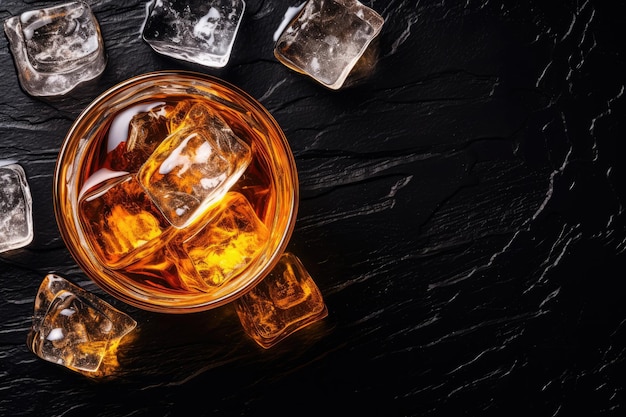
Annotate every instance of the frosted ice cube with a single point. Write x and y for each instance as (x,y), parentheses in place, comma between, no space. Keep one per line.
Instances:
(74,328)
(56,48)
(197,31)
(121,217)
(229,242)
(285,301)
(16,221)
(194,166)
(327,38)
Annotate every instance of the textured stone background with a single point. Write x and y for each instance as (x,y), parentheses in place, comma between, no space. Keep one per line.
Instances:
(462,211)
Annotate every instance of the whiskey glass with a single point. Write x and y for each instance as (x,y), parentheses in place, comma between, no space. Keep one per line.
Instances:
(105,178)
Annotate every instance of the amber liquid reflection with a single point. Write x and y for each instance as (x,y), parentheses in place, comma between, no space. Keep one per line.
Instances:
(135,233)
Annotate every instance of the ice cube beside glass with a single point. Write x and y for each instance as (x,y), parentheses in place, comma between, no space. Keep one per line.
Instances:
(201,32)
(327,38)
(284,302)
(76,329)
(56,48)
(16,218)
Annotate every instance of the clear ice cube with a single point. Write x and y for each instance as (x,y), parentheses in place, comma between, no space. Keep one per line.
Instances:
(233,237)
(194,166)
(56,48)
(135,133)
(123,219)
(282,303)
(16,221)
(202,32)
(74,328)
(327,39)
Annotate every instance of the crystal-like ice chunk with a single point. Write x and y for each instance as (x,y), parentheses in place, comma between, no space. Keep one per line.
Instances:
(202,32)
(135,133)
(122,217)
(327,38)
(56,48)
(194,166)
(229,242)
(282,303)
(16,221)
(74,328)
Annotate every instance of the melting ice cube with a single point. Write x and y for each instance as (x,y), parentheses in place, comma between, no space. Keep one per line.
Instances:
(197,31)
(194,166)
(327,38)
(16,221)
(135,133)
(56,48)
(121,218)
(284,302)
(229,242)
(74,328)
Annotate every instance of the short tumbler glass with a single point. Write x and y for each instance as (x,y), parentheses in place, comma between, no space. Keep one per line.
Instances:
(176,191)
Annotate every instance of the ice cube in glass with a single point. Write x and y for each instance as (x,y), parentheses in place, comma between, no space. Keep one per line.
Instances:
(135,133)
(327,38)
(118,211)
(16,220)
(202,32)
(56,48)
(232,238)
(194,166)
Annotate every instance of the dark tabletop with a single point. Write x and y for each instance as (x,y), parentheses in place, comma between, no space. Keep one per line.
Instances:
(462,211)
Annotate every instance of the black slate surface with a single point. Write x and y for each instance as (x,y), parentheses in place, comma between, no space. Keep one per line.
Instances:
(462,211)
